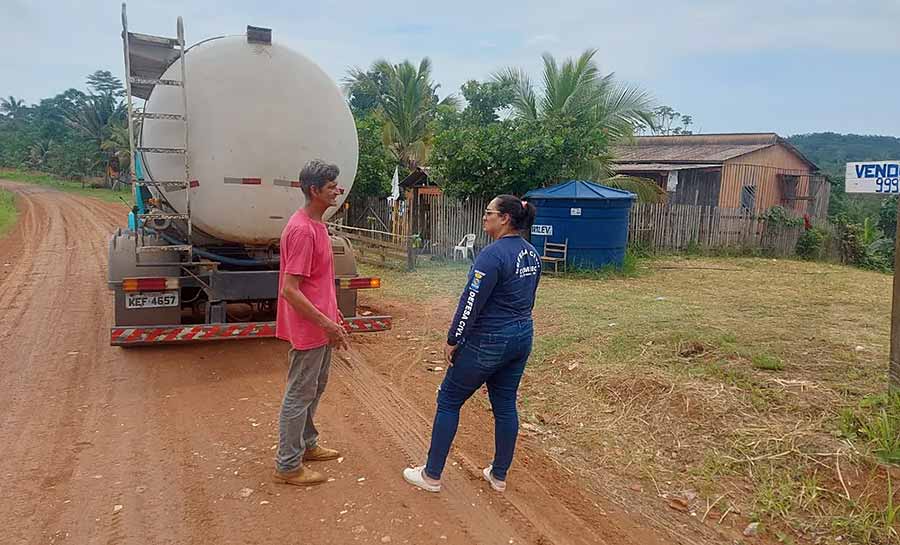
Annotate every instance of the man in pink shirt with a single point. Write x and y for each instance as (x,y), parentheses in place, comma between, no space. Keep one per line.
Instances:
(308,318)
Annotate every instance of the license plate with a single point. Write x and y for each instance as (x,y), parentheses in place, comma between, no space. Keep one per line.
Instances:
(152,299)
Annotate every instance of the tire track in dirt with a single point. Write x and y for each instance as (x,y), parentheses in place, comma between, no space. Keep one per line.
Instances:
(409,428)
(59,376)
(39,360)
(546,494)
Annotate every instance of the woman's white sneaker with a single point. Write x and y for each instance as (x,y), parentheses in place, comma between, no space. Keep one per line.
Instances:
(496,484)
(416,477)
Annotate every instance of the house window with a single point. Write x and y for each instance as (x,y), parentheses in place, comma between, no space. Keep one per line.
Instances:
(789,185)
(748,197)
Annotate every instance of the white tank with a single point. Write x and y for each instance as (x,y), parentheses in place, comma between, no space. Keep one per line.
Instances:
(256,115)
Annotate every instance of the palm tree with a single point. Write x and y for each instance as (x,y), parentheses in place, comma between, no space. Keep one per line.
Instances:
(13,108)
(645,190)
(407,102)
(94,117)
(118,144)
(578,90)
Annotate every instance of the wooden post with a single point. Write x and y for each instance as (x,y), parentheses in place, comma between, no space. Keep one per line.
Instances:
(894,367)
(410,255)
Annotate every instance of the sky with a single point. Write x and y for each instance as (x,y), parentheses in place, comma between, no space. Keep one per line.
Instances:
(786,66)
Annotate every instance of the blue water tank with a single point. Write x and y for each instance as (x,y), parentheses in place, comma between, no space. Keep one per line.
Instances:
(593,219)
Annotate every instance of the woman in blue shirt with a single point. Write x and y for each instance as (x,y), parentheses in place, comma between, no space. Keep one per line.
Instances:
(489,341)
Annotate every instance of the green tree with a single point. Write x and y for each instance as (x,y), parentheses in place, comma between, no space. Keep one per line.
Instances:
(645,190)
(373,175)
(13,108)
(668,122)
(365,90)
(102,82)
(95,118)
(484,99)
(407,103)
(511,156)
(117,143)
(579,91)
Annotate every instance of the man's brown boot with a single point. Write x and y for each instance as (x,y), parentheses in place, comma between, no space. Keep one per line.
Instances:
(320,454)
(302,476)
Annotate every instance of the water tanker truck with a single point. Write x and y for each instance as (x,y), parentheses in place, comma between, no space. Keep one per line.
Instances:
(221,131)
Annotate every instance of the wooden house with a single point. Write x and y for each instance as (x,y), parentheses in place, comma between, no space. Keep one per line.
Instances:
(743,171)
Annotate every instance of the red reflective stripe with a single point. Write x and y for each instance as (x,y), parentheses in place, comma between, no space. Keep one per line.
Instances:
(195,183)
(295,184)
(125,335)
(251,181)
(193,333)
(154,334)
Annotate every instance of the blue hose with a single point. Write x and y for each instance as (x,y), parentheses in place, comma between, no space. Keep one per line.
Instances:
(220,258)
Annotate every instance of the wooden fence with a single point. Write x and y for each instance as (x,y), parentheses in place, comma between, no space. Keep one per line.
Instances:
(657,228)
(667,228)
(378,247)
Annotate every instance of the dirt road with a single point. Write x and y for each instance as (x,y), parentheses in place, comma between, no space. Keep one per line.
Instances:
(175,444)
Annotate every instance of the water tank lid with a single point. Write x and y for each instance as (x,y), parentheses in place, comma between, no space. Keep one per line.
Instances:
(580,189)
(259,35)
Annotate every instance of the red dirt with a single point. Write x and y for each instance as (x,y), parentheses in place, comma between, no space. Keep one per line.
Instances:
(155,445)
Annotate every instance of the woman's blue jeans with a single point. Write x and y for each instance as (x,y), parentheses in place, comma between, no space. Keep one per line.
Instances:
(497,359)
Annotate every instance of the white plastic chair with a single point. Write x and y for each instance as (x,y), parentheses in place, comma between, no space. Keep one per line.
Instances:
(466,245)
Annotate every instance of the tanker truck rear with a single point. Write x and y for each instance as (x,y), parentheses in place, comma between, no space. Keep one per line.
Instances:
(224,129)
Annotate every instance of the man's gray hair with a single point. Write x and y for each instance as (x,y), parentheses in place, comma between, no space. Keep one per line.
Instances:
(317,173)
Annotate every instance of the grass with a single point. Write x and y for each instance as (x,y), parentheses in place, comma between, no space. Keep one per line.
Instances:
(7,211)
(874,424)
(69,186)
(767,363)
(747,378)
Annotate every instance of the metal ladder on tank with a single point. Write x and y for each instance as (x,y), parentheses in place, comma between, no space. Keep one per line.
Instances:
(135,117)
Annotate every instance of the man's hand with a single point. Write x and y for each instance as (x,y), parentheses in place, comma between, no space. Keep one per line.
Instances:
(337,336)
(448,353)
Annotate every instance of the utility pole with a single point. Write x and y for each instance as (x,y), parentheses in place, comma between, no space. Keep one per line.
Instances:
(894,367)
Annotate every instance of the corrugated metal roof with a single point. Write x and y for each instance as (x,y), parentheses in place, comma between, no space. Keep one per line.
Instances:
(579,189)
(697,153)
(660,167)
(698,148)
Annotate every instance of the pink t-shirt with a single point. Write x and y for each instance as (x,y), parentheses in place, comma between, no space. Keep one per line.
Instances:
(306,252)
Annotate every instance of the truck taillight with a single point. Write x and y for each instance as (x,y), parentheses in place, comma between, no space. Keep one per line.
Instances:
(149,284)
(359,283)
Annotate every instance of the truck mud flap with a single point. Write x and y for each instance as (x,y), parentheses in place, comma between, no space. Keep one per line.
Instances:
(171,334)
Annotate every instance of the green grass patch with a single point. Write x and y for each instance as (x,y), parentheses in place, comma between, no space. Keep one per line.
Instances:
(69,186)
(767,362)
(875,425)
(7,211)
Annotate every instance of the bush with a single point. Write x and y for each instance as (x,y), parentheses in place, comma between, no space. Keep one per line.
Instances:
(811,244)
(876,256)
(778,216)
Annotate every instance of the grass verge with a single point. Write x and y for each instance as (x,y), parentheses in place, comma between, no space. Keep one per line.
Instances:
(7,211)
(69,186)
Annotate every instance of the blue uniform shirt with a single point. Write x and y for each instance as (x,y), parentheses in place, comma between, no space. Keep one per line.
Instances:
(500,289)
